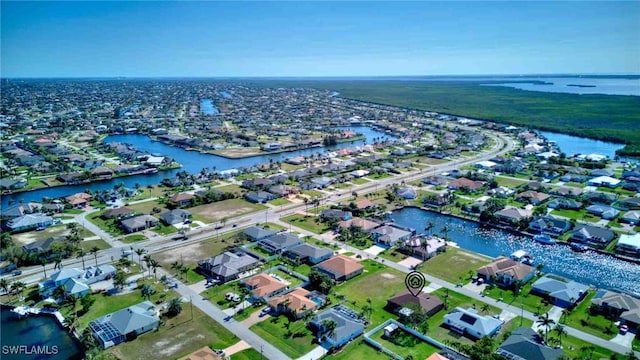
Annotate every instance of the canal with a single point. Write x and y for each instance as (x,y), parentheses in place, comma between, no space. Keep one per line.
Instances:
(192,162)
(589,267)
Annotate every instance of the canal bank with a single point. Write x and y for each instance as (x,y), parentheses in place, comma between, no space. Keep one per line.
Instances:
(592,268)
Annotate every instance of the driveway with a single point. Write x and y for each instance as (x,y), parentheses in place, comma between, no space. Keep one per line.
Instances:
(236,348)
(314,354)
(624,340)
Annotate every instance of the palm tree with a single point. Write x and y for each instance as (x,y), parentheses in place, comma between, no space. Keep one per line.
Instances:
(484,308)
(147,291)
(147,261)
(561,331)
(58,261)
(546,322)
(43,262)
(175,306)
(71,322)
(94,250)
(328,327)
(81,255)
(59,293)
(154,264)
(445,230)
(429,227)
(4,285)
(140,252)
(18,286)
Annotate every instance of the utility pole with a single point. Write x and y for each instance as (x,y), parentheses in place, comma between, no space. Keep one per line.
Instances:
(191,306)
(521,312)
(261,352)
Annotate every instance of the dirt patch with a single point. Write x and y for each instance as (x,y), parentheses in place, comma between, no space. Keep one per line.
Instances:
(184,253)
(32,236)
(388,276)
(224,209)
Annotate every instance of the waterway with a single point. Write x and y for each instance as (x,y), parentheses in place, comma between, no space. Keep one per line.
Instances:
(207,107)
(589,267)
(572,145)
(586,85)
(41,331)
(192,162)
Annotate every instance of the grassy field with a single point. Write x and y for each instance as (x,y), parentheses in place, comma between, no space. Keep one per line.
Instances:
(279,201)
(597,325)
(225,209)
(179,336)
(147,207)
(133,238)
(249,354)
(359,181)
(309,223)
(236,189)
(274,331)
(576,214)
(465,263)
(530,302)
(509,182)
(89,244)
(421,350)
(190,254)
(109,225)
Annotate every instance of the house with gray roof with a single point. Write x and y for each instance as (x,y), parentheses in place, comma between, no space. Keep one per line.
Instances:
(138,223)
(227,266)
(280,243)
(561,203)
(604,211)
(20,210)
(322,182)
(29,221)
(390,235)
(618,306)
(631,217)
(309,253)
(42,246)
(125,324)
(175,216)
(526,344)
(76,281)
(549,225)
(259,197)
(257,233)
(592,235)
(348,326)
(468,321)
(559,291)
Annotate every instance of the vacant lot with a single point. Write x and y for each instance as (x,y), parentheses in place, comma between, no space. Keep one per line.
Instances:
(421,349)
(190,254)
(225,209)
(309,223)
(274,330)
(51,231)
(466,263)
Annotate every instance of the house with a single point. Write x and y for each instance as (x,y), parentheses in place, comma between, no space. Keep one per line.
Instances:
(42,246)
(360,223)
(430,304)
(309,253)
(468,321)
(365,204)
(599,198)
(280,243)
(340,268)
(138,223)
(227,266)
(348,326)
(630,203)
(263,286)
(79,200)
(558,291)
(117,213)
(259,197)
(7,184)
(604,211)
(606,181)
(257,233)
(549,225)
(283,190)
(465,183)
(406,193)
(21,210)
(561,203)
(526,344)
(435,180)
(175,216)
(322,182)
(533,197)
(258,183)
(629,245)
(510,214)
(423,247)
(125,324)
(618,306)
(29,222)
(181,199)
(592,235)
(297,302)
(335,214)
(506,272)
(390,235)
(631,217)
(75,280)
(566,191)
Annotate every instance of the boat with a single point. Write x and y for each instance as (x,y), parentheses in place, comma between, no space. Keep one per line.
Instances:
(20,310)
(578,247)
(544,239)
(522,256)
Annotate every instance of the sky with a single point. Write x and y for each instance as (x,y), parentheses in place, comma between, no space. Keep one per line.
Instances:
(309,39)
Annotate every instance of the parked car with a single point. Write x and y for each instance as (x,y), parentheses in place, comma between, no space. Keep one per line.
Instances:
(17,272)
(624,329)
(265,311)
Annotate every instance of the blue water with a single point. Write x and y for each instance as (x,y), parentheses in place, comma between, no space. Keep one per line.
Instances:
(37,330)
(207,107)
(225,95)
(606,86)
(571,145)
(192,161)
(591,268)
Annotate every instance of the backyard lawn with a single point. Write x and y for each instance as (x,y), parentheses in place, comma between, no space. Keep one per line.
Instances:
(509,182)
(249,354)
(87,245)
(274,331)
(309,223)
(179,336)
(421,349)
(279,201)
(581,319)
(359,181)
(358,349)
(530,302)
(466,264)
(110,225)
(576,215)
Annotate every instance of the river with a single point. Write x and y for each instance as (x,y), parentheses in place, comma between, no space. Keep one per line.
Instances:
(192,161)
(42,331)
(591,268)
(575,85)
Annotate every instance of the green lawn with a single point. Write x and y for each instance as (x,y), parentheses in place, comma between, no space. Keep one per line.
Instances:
(576,348)
(249,354)
(87,245)
(530,302)
(421,349)
(236,189)
(358,349)
(216,294)
(597,325)
(279,201)
(393,254)
(274,331)
(313,193)
(162,229)
(133,238)
(509,182)
(179,336)
(110,226)
(359,181)
(576,214)
(147,207)
(466,264)
(309,223)
(225,209)
(379,176)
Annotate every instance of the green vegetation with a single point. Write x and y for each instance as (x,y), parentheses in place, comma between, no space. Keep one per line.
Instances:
(87,245)
(163,229)
(309,223)
(466,264)
(249,354)
(279,201)
(359,181)
(576,214)
(582,319)
(405,344)
(293,339)
(509,182)
(110,225)
(532,303)
(133,238)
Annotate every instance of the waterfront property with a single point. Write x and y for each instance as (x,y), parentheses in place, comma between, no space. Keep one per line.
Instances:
(558,291)
(468,321)
(390,235)
(29,222)
(524,344)
(75,281)
(506,272)
(618,306)
(423,247)
(346,326)
(592,235)
(629,245)
(125,324)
